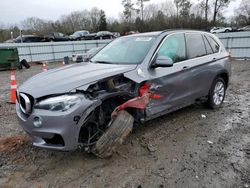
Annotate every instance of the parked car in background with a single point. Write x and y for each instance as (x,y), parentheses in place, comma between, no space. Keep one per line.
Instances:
(104,35)
(28,39)
(134,78)
(116,34)
(10,41)
(220,29)
(86,56)
(246,28)
(79,35)
(57,36)
(90,36)
(132,32)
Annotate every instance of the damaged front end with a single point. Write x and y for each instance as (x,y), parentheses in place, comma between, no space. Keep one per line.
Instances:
(86,116)
(107,95)
(114,96)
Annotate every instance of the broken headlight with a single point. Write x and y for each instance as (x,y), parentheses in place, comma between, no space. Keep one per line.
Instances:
(59,103)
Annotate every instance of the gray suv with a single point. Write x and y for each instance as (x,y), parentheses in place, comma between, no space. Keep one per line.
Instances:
(133,79)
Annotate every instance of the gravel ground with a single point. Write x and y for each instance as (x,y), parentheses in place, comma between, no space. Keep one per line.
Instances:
(192,147)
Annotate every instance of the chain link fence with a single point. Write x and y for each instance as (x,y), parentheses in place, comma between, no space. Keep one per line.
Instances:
(52,51)
(237,42)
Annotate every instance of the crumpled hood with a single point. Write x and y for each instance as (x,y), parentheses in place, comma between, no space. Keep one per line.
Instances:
(67,78)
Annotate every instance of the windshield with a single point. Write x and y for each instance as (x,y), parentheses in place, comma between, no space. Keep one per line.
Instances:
(127,50)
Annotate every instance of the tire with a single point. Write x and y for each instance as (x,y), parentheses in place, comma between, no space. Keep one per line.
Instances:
(119,129)
(25,64)
(217,93)
(227,31)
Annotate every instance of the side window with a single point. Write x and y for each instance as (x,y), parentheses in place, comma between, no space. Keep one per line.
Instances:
(174,47)
(215,46)
(195,45)
(208,47)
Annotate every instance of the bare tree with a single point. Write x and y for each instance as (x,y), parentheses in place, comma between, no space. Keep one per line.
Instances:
(185,6)
(242,14)
(218,6)
(177,4)
(94,16)
(205,6)
(80,20)
(34,24)
(206,10)
(140,3)
(167,8)
(151,11)
(128,10)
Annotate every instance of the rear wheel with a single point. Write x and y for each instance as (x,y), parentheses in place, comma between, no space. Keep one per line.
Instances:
(118,130)
(217,93)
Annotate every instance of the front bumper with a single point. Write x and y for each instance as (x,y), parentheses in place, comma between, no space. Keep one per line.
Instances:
(59,130)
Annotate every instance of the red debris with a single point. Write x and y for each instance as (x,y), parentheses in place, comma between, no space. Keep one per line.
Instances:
(140,102)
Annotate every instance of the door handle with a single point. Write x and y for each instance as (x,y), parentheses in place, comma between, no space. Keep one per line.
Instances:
(185,67)
(214,59)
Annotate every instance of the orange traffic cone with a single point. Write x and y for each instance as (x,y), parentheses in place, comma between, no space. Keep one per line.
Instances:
(12,87)
(44,67)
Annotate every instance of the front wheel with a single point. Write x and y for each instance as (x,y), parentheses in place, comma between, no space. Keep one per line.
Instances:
(119,129)
(217,93)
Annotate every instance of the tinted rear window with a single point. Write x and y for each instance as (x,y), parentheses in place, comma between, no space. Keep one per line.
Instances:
(208,46)
(215,46)
(195,45)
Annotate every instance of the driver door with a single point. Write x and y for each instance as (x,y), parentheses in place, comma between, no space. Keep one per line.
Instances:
(174,83)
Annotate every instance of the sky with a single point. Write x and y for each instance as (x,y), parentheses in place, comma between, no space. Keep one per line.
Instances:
(14,11)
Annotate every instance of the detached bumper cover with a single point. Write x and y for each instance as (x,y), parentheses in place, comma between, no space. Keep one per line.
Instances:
(60,124)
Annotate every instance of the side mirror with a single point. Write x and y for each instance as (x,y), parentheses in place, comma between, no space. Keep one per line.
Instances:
(163,61)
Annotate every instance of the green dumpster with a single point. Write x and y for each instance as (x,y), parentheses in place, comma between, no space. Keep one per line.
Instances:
(9,58)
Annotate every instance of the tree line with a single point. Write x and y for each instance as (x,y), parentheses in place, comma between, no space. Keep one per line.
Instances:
(139,15)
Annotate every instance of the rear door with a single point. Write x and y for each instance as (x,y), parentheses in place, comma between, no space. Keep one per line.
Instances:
(215,59)
(198,64)
(203,54)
